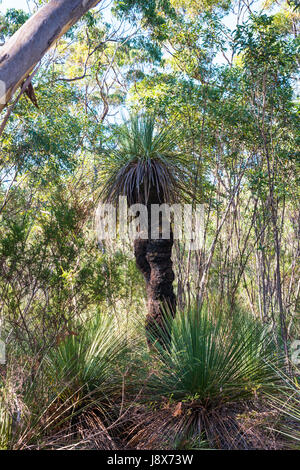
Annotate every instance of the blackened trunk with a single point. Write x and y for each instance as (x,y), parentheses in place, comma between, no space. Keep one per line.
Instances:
(161,297)
(140,252)
(153,258)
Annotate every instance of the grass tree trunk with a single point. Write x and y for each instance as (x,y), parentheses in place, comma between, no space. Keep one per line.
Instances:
(161,297)
(153,258)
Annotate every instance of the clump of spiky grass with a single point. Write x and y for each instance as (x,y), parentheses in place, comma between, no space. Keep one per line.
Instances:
(90,362)
(212,368)
(75,394)
(215,360)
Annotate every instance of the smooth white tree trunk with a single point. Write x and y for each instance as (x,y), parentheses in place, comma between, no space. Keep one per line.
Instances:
(28,45)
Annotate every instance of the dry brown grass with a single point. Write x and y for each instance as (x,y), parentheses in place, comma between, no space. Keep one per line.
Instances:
(246,426)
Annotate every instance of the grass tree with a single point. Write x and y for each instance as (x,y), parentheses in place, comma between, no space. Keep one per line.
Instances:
(146,167)
(215,371)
